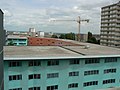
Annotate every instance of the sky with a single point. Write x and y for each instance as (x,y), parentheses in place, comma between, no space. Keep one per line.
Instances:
(20,15)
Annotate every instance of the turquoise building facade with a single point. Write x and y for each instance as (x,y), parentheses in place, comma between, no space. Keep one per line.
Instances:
(62,74)
(16,40)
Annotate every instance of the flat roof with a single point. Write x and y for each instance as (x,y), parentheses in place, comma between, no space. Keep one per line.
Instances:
(36,52)
(86,50)
(16,37)
(114,4)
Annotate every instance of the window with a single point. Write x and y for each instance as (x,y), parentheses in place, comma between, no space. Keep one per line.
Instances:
(108,81)
(16,89)
(34,76)
(90,83)
(53,62)
(34,63)
(15,77)
(76,73)
(73,85)
(92,60)
(15,63)
(108,60)
(74,61)
(92,72)
(52,75)
(34,88)
(110,71)
(55,87)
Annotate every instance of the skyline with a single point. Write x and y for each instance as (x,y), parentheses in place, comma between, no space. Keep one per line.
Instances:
(22,15)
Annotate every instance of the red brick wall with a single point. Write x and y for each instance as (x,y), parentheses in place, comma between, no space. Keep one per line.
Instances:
(35,41)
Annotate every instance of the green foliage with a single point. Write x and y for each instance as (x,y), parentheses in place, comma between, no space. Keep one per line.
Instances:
(54,36)
(92,39)
(62,36)
(89,35)
(11,43)
(70,36)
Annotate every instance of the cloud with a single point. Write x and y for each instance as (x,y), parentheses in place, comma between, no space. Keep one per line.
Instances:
(22,14)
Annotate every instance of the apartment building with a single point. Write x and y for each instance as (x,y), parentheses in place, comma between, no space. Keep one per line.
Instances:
(110,25)
(85,67)
(15,40)
(1,49)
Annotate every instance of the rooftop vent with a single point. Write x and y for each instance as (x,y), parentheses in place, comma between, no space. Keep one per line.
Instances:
(86,47)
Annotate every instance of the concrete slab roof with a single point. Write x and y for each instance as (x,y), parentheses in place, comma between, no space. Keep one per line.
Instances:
(86,50)
(16,37)
(36,51)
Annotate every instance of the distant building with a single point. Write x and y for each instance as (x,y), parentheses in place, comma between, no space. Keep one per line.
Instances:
(83,37)
(18,33)
(16,40)
(36,41)
(32,32)
(85,67)
(110,25)
(2,39)
(42,34)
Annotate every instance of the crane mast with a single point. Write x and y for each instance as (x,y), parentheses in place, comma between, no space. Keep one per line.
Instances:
(79,20)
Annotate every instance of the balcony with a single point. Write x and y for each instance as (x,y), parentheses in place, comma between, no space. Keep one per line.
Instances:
(118,8)
(108,22)
(118,43)
(107,10)
(118,12)
(103,42)
(117,39)
(118,21)
(117,35)
(107,26)
(117,30)
(107,42)
(107,38)
(118,26)
(103,34)
(108,30)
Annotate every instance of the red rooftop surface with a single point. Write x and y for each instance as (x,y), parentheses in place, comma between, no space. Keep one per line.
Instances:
(36,41)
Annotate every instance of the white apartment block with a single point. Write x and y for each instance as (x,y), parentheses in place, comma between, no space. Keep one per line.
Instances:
(110,25)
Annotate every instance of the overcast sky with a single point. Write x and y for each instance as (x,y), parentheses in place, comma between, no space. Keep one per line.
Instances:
(20,15)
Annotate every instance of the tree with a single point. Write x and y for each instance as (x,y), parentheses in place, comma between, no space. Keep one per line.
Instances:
(11,43)
(62,36)
(89,35)
(92,39)
(70,36)
(54,36)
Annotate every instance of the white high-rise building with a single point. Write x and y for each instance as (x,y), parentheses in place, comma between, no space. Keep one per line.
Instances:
(110,25)
(32,32)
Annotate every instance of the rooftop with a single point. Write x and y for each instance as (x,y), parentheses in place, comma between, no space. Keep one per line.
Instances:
(1,11)
(86,50)
(16,37)
(114,4)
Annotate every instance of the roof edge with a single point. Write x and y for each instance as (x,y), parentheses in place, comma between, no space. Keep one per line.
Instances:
(1,11)
(111,5)
(63,58)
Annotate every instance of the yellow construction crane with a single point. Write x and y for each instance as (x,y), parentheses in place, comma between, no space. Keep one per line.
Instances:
(79,20)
